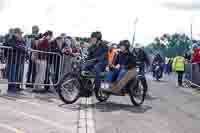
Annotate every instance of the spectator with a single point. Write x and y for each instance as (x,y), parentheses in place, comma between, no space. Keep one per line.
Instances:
(70,51)
(16,58)
(32,39)
(57,46)
(9,36)
(196,56)
(83,50)
(167,67)
(170,64)
(41,61)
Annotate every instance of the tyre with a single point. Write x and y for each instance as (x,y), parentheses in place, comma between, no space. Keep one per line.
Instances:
(101,96)
(158,75)
(138,91)
(69,89)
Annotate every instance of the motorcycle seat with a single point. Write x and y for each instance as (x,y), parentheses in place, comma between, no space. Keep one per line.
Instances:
(89,74)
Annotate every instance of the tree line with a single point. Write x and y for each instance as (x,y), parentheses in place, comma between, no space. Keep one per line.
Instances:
(168,45)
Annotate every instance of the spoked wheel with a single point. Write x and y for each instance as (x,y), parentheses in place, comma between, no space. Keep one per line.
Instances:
(186,84)
(138,92)
(101,95)
(69,89)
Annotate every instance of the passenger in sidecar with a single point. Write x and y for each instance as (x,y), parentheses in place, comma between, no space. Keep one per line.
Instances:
(123,62)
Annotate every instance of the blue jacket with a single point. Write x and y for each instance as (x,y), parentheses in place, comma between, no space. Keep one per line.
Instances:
(125,60)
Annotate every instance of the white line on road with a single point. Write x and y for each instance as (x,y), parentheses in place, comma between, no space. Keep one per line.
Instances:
(49,122)
(90,119)
(10,128)
(40,105)
(82,117)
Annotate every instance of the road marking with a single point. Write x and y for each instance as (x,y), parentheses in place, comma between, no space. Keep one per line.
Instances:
(86,122)
(82,117)
(12,129)
(48,122)
(40,105)
(196,93)
(29,102)
(90,119)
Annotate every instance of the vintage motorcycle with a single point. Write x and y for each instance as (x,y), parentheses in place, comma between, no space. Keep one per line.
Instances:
(157,70)
(81,83)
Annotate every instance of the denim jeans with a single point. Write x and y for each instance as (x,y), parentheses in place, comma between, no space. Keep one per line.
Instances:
(12,76)
(120,73)
(31,72)
(98,68)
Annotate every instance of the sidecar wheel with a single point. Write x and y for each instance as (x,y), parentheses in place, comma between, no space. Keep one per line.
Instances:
(138,92)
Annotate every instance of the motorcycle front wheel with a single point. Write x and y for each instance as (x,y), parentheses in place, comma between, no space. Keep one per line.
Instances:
(69,89)
(138,92)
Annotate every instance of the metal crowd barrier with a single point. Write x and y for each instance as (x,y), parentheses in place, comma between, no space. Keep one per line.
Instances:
(192,74)
(29,67)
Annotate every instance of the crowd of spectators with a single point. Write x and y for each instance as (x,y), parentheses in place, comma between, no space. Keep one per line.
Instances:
(42,52)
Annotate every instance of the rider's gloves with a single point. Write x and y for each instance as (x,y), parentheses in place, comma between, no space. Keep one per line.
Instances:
(117,66)
(107,69)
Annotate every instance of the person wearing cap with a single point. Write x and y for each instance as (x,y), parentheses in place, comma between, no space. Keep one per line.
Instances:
(8,36)
(31,42)
(124,61)
(57,46)
(16,60)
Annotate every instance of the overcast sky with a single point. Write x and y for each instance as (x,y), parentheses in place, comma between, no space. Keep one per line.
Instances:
(115,18)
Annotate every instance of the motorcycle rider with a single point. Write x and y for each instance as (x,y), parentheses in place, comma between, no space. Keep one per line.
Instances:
(141,58)
(157,59)
(142,61)
(97,54)
(124,61)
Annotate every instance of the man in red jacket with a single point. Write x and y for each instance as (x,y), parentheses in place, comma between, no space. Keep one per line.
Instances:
(42,62)
(196,55)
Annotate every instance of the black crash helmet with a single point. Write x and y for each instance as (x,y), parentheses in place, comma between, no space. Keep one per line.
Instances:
(125,43)
(96,35)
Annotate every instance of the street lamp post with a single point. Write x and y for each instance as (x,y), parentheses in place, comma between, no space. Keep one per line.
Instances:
(134,34)
(191,32)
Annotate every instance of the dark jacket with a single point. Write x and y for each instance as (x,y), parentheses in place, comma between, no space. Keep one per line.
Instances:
(55,59)
(98,52)
(31,38)
(16,55)
(158,59)
(54,47)
(125,60)
(141,56)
